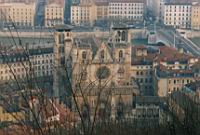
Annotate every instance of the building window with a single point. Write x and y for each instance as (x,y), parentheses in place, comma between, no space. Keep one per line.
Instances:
(84,55)
(174,81)
(123,36)
(137,73)
(120,55)
(102,55)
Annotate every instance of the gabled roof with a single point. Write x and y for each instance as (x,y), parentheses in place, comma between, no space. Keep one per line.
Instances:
(86,43)
(108,50)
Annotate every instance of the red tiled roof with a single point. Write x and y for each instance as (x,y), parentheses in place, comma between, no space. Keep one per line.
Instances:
(171,54)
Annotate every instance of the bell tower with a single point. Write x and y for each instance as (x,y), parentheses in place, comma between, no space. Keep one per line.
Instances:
(62,61)
(121,34)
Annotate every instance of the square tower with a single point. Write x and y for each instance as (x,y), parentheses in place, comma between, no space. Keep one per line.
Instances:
(62,60)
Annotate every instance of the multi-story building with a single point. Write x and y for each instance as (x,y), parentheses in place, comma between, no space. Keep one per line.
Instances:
(105,10)
(13,1)
(42,61)
(14,66)
(21,14)
(18,66)
(173,72)
(177,14)
(149,110)
(142,68)
(101,11)
(5,13)
(195,22)
(126,10)
(184,104)
(54,13)
(83,14)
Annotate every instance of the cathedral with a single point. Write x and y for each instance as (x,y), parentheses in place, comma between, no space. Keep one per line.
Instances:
(99,71)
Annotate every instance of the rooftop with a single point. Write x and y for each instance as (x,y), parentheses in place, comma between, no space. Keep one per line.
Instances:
(56,2)
(169,54)
(164,72)
(194,86)
(147,100)
(128,1)
(102,2)
(63,27)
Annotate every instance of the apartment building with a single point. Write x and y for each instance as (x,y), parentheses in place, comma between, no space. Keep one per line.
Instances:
(162,70)
(17,66)
(195,22)
(97,11)
(5,13)
(101,10)
(21,14)
(177,14)
(148,110)
(83,14)
(54,13)
(13,1)
(185,103)
(13,66)
(173,72)
(42,61)
(126,10)
(142,68)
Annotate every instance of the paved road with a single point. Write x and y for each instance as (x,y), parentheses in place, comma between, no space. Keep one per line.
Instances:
(180,41)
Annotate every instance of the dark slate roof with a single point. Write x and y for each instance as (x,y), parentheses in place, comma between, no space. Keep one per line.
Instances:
(63,28)
(10,58)
(87,43)
(147,100)
(22,55)
(40,51)
(121,45)
(194,86)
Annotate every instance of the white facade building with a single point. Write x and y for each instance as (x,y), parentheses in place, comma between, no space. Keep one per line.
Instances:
(17,65)
(21,14)
(54,14)
(126,9)
(177,15)
(83,14)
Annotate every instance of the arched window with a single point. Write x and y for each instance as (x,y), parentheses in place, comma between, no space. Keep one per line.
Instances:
(102,55)
(120,55)
(119,33)
(84,55)
(123,36)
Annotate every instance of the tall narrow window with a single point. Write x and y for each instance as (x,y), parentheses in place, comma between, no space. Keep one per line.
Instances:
(120,56)
(102,55)
(123,36)
(61,38)
(84,55)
